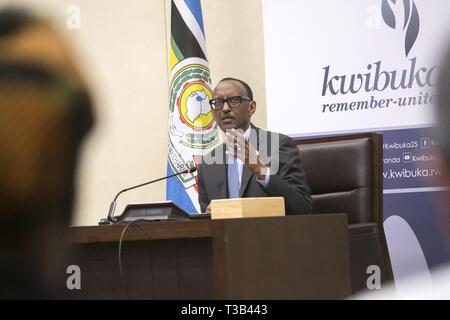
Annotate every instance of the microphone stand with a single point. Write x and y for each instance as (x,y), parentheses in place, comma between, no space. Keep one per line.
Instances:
(112,207)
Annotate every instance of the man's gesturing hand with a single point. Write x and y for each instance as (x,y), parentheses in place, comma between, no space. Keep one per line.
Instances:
(239,147)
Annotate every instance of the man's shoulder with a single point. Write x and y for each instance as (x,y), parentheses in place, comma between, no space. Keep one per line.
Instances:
(215,156)
(216,150)
(282,137)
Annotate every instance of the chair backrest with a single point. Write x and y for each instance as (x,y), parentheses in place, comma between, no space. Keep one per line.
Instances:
(345,175)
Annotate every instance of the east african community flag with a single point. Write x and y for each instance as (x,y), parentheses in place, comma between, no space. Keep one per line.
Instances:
(192,130)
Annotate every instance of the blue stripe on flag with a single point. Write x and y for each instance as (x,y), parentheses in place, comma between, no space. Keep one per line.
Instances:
(196,9)
(175,192)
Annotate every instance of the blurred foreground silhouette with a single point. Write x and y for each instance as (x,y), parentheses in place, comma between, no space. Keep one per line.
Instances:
(45,113)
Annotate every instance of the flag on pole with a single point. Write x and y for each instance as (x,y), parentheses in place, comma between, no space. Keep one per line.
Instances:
(192,130)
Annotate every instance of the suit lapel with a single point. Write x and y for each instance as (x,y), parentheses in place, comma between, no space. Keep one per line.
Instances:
(220,177)
(222,181)
(247,174)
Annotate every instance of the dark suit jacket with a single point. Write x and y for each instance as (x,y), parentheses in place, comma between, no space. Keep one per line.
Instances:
(289,181)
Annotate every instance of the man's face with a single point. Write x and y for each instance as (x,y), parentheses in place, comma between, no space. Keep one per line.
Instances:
(228,117)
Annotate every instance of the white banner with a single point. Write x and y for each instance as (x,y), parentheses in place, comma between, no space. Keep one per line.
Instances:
(367,65)
(334,66)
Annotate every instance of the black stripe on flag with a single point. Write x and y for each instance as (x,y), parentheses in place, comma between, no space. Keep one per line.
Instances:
(183,37)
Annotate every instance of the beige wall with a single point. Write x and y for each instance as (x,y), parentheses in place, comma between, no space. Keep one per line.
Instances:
(122,48)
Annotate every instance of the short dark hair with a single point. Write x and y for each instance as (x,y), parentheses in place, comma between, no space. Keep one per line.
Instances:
(443,109)
(246,86)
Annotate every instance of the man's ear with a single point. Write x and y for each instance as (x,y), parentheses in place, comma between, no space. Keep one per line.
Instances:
(252,108)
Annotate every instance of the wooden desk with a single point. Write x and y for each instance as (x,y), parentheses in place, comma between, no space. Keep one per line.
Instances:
(293,257)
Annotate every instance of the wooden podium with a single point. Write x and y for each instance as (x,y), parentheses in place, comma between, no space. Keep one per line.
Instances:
(292,257)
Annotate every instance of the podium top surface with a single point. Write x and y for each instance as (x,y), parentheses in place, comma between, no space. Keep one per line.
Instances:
(195,228)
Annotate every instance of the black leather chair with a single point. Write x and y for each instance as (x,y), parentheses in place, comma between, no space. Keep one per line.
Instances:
(345,176)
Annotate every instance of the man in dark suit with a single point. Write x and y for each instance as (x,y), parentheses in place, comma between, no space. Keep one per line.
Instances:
(251,162)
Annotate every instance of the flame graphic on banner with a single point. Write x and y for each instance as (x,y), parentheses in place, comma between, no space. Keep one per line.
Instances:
(411,21)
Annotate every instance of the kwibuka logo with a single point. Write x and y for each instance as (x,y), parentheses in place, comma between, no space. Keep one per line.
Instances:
(411,22)
(377,79)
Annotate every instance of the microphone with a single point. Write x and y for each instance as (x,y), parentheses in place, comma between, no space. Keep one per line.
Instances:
(112,207)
